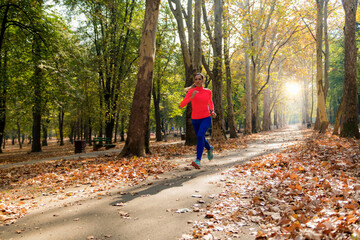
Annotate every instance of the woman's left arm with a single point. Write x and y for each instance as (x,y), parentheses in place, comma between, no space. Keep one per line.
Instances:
(211,105)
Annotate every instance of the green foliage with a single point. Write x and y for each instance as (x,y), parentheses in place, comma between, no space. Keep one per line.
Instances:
(336,77)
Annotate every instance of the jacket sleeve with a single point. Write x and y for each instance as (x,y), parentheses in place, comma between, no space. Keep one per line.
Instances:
(211,104)
(186,100)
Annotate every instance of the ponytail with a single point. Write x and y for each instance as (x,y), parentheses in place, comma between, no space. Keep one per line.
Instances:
(189,88)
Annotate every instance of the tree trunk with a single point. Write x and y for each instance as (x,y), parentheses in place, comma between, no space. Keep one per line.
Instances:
(266,110)
(109,127)
(319,70)
(90,132)
(312,93)
(327,49)
(45,132)
(197,37)
(122,131)
(3,93)
(37,107)
(36,132)
(187,49)
(19,133)
(248,111)
(276,117)
(253,98)
(4,142)
(2,117)
(218,130)
(3,77)
(86,128)
(230,105)
(350,116)
(190,136)
(139,116)
(156,99)
(248,127)
(61,125)
(266,124)
(305,106)
(72,132)
(100,134)
(116,126)
(338,118)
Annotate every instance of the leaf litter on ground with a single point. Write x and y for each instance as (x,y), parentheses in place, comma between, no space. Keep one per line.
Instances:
(310,190)
(21,186)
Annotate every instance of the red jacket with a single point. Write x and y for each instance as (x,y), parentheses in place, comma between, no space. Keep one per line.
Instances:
(200,103)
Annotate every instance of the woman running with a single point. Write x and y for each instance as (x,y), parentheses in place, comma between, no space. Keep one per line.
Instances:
(201,102)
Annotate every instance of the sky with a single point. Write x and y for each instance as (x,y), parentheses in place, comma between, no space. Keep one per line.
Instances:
(60,10)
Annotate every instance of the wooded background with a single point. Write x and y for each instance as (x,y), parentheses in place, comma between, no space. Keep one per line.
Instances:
(69,68)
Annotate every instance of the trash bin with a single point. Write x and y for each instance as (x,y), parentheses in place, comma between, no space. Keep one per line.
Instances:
(183,136)
(80,146)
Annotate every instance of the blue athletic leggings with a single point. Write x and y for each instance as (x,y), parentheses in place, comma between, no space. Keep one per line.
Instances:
(200,127)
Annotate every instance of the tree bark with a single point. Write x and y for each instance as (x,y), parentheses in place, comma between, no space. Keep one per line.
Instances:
(350,115)
(218,131)
(197,37)
(319,70)
(254,104)
(19,133)
(327,49)
(45,132)
(247,129)
(229,97)
(100,133)
(156,99)
(116,126)
(140,111)
(248,111)
(89,132)
(61,125)
(37,107)
(3,93)
(187,49)
(312,93)
(122,131)
(3,78)
(338,118)
(266,126)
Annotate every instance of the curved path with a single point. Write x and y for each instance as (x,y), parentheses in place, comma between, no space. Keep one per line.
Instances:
(147,210)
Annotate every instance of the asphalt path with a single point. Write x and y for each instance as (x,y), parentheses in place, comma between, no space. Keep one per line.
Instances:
(159,208)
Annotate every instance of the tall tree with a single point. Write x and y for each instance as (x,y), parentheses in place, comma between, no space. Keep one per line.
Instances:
(350,116)
(37,80)
(258,39)
(190,49)
(12,14)
(218,131)
(319,68)
(140,111)
(327,51)
(248,113)
(165,45)
(229,95)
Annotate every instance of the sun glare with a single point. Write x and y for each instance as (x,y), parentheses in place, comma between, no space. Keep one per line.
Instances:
(292,88)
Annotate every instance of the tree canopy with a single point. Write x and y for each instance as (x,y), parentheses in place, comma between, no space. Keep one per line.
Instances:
(69,68)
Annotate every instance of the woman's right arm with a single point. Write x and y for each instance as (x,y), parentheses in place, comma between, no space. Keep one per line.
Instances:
(186,99)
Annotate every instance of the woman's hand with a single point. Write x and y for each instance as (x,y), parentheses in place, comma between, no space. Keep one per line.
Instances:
(193,94)
(213,113)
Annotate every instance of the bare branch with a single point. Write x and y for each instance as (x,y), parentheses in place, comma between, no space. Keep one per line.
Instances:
(206,21)
(207,67)
(272,59)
